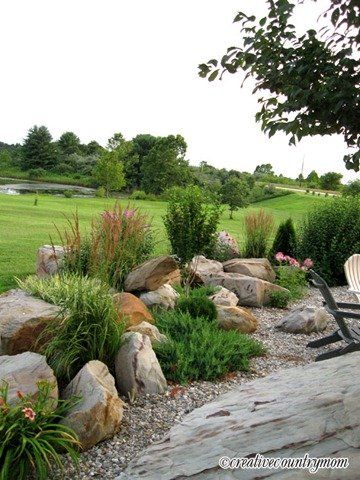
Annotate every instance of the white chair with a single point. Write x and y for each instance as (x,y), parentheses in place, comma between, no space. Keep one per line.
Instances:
(352,273)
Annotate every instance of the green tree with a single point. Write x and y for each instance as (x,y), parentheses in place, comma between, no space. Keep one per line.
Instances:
(309,82)
(109,172)
(69,143)
(264,169)
(165,165)
(235,193)
(92,148)
(312,180)
(330,181)
(115,141)
(142,144)
(285,240)
(352,189)
(38,151)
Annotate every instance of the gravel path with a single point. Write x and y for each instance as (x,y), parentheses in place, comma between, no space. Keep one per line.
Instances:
(150,417)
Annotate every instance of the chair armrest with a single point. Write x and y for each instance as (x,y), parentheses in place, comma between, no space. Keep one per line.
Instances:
(353,291)
(350,306)
(343,314)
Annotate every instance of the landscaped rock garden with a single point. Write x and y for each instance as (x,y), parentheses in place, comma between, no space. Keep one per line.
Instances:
(144,406)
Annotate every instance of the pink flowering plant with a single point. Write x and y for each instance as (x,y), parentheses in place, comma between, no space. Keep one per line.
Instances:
(31,437)
(291,274)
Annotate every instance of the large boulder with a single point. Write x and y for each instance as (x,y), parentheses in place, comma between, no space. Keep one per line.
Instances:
(164,297)
(224,297)
(49,259)
(22,373)
(152,274)
(22,320)
(304,320)
(137,369)
(312,409)
(251,267)
(131,309)
(251,292)
(201,267)
(151,331)
(228,242)
(236,318)
(98,414)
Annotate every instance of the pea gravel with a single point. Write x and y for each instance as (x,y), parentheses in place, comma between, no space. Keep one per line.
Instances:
(148,418)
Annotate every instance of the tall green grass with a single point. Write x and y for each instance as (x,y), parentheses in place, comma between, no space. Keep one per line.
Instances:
(87,327)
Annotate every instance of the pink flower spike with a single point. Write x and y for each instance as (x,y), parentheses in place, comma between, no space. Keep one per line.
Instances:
(129,213)
(29,413)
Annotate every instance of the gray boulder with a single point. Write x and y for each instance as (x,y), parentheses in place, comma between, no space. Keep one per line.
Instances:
(22,320)
(164,297)
(224,297)
(312,409)
(137,369)
(49,259)
(304,320)
(99,413)
(22,373)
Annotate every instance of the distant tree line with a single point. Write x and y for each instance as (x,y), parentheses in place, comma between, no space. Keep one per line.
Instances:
(148,164)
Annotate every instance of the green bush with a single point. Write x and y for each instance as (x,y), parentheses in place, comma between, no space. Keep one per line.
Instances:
(120,240)
(197,306)
(279,299)
(100,192)
(329,235)
(198,350)
(68,194)
(191,223)
(258,230)
(285,240)
(36,173)
(32,438)
(292,278)
(138,195)
(87,327)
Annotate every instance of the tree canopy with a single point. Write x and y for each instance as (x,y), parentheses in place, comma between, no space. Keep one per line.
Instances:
(310,82)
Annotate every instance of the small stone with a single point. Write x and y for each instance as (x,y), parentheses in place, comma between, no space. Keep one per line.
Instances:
(164,297)
(304,319)
(151,331)
(49,258)
(236,318)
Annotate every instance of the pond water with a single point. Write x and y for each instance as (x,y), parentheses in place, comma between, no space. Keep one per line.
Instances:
(10,186)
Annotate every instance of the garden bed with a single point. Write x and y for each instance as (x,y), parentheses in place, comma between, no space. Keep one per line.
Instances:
(148,418)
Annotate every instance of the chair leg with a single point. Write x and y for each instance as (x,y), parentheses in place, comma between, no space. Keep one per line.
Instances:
(352,347)
(321,342)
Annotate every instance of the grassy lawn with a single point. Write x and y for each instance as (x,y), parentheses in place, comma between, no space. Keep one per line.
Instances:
(24,227)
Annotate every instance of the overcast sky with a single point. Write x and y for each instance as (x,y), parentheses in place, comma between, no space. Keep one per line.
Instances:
(102,66)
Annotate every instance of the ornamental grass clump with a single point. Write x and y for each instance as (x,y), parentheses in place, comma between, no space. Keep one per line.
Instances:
(32,439)
(87,327)
(120,239)
(197,349)
(258,229)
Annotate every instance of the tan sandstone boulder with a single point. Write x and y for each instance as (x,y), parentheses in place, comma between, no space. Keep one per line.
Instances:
(48,260)
(252,267)
(201,267)
(22,373)
(152,274)
(100,411)
(228,242)
(137,369)
(131,309)
(236,318)
(151,331)
(251,292)
(22,320)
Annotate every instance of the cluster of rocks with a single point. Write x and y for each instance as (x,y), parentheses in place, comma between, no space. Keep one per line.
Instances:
(240,283)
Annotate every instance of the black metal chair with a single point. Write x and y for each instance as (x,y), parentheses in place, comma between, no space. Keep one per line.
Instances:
(346,332)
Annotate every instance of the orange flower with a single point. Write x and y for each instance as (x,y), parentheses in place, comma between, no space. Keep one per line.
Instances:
(29,413)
